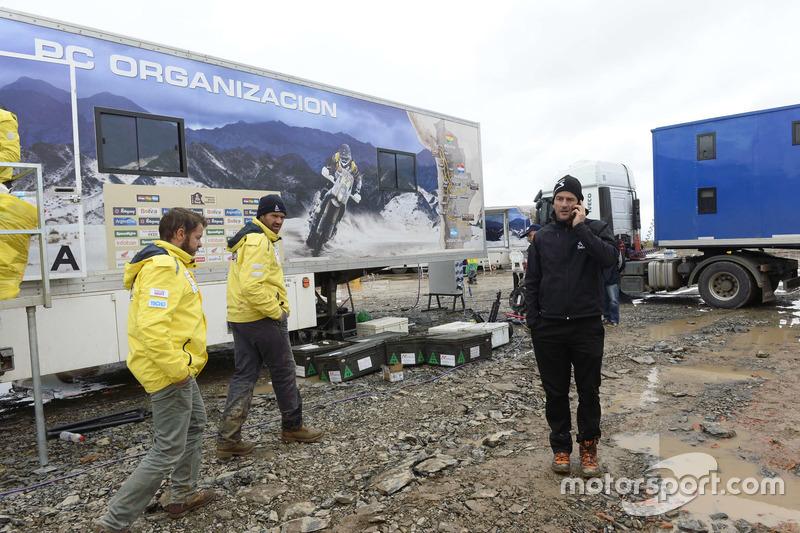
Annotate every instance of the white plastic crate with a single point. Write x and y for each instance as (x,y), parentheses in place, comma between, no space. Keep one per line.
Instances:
(450,327)
(499,331)
(382,325)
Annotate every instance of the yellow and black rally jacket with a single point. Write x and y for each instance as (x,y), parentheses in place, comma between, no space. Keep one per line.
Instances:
(166,324)
(256,288)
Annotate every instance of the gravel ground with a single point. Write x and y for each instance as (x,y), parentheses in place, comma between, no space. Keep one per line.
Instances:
(456,450)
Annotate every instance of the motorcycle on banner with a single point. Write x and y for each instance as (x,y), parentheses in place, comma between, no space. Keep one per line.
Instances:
(331,208)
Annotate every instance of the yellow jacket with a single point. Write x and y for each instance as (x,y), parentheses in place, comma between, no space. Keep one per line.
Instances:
(14,214)
(166,324)
(256,288)
(9,143)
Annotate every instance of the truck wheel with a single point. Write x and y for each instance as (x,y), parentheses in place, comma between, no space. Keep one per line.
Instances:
(726,285)
(399,270)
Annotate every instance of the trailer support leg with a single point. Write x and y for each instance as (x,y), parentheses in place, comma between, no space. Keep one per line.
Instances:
(33,343)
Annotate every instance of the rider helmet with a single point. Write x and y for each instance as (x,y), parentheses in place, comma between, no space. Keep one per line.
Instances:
(344,156)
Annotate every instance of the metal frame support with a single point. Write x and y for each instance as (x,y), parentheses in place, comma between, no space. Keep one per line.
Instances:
(30,303)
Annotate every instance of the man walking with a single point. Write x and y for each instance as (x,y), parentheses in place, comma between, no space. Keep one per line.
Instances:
(257,313)
(167,339)
(564,285)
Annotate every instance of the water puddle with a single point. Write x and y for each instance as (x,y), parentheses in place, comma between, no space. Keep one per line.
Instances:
(710,478)
(761,339)
(639,396)
(679,326)
(790,314)
(698,374)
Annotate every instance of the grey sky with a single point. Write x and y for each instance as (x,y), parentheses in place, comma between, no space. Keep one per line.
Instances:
(550,82)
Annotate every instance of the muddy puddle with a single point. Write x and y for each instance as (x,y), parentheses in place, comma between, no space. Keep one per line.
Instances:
(633,396)
(789,314)
(700,374)
(714,477)
(757,338)
(671,328)
(645,393)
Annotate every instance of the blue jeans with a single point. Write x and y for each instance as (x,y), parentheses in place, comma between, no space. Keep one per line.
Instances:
(611,304)
(179,417)
(255,344)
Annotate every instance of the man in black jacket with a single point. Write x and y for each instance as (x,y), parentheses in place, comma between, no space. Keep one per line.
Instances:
(564,294)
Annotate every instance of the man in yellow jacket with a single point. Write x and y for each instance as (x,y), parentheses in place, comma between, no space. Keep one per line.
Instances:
(15,213)
(167,341)
(9,142)
(257,313)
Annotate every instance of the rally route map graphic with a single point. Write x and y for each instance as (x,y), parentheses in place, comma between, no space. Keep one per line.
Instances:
(457,189)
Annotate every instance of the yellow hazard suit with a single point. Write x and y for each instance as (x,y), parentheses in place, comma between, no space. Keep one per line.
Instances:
(9,143)
(166,324)
(256,288)
(14,214)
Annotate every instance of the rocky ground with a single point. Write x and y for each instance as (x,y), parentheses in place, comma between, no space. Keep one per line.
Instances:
(460,450)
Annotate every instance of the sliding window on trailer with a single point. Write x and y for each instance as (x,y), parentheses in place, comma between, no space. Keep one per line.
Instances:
(139,143)
(397,171)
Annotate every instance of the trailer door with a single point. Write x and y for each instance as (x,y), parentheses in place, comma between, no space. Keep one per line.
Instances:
(43,97)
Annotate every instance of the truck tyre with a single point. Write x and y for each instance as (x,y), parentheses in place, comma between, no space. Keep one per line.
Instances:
(726,285)
(399,270)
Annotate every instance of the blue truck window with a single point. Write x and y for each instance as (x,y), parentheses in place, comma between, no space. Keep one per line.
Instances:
(706,200)
(706,146)
(397,171)
(139,143)
(796,132)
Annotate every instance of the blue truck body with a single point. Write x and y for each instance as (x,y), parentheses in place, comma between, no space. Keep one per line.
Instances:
(727,181)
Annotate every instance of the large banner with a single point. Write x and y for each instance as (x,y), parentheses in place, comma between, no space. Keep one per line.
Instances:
(245,130)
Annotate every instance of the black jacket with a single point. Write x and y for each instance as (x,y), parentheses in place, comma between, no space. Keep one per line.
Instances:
(564,278)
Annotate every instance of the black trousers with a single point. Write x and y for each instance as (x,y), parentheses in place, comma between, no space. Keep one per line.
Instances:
(562,346)
(255,344)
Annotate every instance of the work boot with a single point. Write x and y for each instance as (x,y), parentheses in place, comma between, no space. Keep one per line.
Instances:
(302,434)
(228,450)
(560,464)
(589,466)
(178,510)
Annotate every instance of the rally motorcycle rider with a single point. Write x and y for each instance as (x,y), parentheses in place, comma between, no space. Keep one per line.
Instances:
(342,160)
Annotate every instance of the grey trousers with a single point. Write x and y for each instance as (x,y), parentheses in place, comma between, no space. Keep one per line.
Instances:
(255,344)
(179,417)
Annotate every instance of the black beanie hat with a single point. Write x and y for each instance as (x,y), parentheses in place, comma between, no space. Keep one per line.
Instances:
(569,184)
(271,203)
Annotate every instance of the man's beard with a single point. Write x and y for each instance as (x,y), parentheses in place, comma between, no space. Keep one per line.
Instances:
(185,246)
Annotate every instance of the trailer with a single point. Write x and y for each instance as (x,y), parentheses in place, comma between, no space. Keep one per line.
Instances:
(504,225)
(125,130)
(715,184)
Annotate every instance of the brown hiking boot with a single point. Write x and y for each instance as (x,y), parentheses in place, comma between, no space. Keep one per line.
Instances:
(302,434)
(560,464)
(178,510)
(228,450)
(589,466)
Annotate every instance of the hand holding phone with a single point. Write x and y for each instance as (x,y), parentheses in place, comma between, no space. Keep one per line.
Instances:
(578,214)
